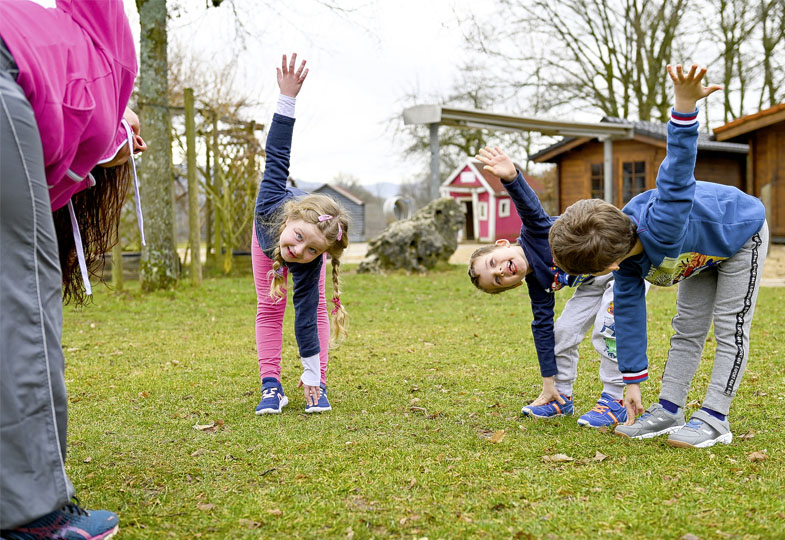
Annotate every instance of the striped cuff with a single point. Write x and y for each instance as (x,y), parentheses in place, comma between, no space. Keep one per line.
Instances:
(684,119)
(635,378)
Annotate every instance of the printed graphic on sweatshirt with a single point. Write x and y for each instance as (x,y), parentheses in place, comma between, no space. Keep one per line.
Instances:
(674,269)
(560,279)
(608,332)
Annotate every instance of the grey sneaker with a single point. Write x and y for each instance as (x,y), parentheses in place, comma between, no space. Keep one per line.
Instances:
(702,431)
(655,421)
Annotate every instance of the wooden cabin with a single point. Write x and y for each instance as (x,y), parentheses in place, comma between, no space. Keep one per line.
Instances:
(580,163)
(764,132)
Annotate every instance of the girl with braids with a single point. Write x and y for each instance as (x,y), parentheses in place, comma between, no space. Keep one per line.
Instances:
(66,74)
(294,233)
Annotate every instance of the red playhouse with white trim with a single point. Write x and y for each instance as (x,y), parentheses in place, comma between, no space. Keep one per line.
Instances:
(490,213)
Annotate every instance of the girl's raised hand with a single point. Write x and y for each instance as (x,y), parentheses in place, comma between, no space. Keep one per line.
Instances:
(688,87)
(290,81)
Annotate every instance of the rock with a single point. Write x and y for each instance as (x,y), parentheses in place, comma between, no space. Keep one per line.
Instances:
(418,243)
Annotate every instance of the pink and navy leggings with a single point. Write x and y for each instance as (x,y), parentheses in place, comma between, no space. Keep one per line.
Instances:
(269,317)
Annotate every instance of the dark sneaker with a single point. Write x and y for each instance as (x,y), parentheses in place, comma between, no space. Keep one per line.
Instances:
(551,409)
(71,522)
(607,413)
(322,405)
(703,430)
(273,398)
(655,421)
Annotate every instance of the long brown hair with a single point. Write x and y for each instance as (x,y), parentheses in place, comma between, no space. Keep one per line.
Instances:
(308,209)
(97,211)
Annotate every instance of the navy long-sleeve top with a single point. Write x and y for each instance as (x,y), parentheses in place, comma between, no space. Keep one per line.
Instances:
(544,278)
(273,193)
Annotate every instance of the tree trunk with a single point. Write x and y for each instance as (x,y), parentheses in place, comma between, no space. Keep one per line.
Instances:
(158,268)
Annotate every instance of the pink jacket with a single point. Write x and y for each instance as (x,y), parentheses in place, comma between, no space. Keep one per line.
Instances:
(77,66)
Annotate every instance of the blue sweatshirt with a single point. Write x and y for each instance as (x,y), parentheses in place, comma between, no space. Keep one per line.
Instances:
(685,226)
(544,278)
(273,193)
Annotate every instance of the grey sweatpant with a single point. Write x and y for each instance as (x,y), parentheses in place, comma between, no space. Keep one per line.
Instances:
(725,294)
(33,399)
(591,304)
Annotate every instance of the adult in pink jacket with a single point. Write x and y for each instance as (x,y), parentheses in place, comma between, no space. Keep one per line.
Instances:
(66,74)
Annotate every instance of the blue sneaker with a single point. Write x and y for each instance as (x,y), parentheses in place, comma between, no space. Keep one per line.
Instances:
(607,413)
(322,405)
(273,398)
(551,409)
(71,522)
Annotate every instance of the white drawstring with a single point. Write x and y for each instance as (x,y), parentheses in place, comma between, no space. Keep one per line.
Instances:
(79,250)
(139,218)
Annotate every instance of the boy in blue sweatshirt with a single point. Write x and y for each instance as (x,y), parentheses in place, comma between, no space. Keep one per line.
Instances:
(503,266)
(710,238)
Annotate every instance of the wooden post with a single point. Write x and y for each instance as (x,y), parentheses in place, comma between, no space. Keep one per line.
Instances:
(195,230)
(208,204)
(117,264)
(218,213)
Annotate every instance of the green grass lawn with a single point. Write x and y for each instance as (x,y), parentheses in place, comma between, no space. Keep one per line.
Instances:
(425,438)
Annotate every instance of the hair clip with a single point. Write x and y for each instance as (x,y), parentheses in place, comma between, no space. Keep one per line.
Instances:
(337,302)
(340,232)
(325,217)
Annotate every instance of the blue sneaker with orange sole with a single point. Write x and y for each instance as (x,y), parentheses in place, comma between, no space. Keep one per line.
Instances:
(71,522)
(552,409)
(608,412)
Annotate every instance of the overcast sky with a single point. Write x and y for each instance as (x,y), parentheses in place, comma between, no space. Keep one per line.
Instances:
(362,65)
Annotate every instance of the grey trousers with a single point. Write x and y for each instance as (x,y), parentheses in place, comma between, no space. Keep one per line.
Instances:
(590,305)
(725,294)
(33,400)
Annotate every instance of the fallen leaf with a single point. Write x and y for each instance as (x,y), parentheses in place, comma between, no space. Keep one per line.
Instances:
(757,456)
(689,536)
(670,502)
(414,400)
(557,458)
(275,512)
(205,427)
(412,483)
(250,524)
(498,436)
(205,507)
(88,459)
(746,436)
(199,452)
(599,456)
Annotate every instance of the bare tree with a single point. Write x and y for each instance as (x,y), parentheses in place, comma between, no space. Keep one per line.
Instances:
(230,144)
(159,266)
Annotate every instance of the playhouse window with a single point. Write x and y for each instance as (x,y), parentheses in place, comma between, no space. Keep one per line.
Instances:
(597,181)
(504,207)
(633,174)
(482,210)
(467,177)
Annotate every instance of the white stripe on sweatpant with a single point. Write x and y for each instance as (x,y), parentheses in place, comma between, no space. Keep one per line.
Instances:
(37,286)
